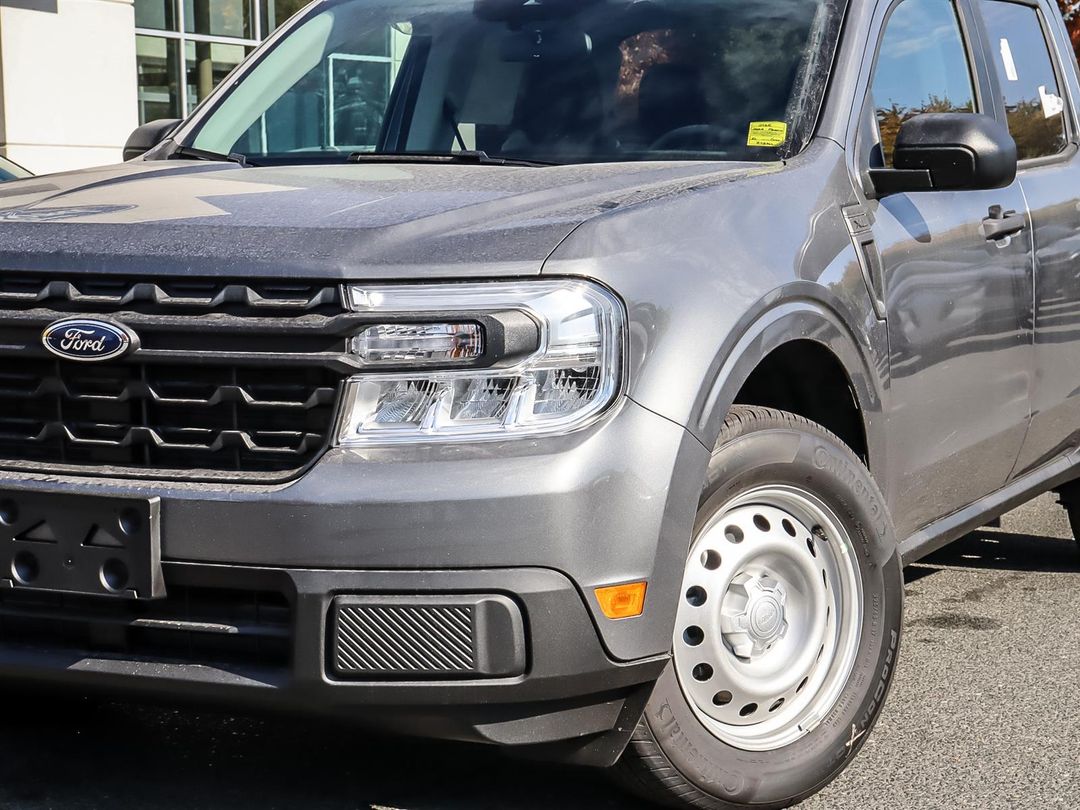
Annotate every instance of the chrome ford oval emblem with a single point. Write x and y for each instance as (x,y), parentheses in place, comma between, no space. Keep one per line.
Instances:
(88,341)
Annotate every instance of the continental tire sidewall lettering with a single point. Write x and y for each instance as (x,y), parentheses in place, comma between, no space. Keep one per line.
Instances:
(759,447)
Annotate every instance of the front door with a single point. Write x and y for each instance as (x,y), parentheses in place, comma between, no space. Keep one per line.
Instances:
(958,304)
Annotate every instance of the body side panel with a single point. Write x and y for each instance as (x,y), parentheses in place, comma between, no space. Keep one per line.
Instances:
(715,279)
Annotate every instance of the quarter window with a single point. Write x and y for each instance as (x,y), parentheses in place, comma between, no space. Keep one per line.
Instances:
(922,68)
(1034,106)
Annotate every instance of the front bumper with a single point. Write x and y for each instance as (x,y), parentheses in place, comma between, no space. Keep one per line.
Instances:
(540,522)
(562,707)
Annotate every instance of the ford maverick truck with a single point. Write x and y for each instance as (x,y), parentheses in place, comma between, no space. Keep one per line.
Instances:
(574,376)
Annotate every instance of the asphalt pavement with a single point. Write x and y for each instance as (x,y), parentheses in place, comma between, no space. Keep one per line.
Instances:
(984,713)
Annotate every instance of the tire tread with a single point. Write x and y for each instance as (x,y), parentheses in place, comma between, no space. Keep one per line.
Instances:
(644,769)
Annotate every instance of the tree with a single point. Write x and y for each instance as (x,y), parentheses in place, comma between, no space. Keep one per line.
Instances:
(1070,11)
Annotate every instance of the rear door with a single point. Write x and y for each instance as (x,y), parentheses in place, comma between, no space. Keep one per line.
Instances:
(1037,87)
(958,305)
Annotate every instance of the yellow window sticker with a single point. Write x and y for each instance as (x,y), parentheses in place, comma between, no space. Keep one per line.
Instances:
(767,133)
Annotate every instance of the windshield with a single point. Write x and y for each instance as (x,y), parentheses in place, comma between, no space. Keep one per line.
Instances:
(549,81)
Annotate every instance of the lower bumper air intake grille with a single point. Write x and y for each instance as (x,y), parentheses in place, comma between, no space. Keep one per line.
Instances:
(427,637)
(210,626)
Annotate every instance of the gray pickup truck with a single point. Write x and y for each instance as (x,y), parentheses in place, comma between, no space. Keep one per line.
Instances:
(574,376)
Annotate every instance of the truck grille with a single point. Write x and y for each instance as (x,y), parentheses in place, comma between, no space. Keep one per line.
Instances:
(232,380)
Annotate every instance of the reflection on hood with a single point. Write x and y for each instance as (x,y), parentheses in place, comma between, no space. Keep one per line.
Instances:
(341,220)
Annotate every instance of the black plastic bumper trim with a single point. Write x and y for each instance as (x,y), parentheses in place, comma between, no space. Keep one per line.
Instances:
(433,637)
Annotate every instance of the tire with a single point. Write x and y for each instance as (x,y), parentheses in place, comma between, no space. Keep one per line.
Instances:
(1069,497)
(689,751)
(1073,508)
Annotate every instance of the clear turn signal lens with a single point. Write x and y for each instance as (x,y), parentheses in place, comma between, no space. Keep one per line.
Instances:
(415,344)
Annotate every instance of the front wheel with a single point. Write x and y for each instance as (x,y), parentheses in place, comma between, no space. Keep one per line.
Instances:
(788,624)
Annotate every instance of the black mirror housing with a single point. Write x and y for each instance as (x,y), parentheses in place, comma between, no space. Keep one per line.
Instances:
(949,152)
(148,136)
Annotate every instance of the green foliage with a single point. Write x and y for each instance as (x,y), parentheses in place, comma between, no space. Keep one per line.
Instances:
(1070,11)
(1034,133)
(890,119)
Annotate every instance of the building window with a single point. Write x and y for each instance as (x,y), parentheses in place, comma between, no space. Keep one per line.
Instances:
(185,48)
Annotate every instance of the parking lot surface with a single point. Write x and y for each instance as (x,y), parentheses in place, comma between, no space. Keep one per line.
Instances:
(984,713)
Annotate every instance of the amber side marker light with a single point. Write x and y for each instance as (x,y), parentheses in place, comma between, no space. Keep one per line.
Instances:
(622,601)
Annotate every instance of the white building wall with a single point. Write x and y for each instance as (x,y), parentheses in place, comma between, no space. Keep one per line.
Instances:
(67,82)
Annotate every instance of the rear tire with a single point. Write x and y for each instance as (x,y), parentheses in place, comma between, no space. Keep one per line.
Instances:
(778,674)
(1072,507)
(1069,498)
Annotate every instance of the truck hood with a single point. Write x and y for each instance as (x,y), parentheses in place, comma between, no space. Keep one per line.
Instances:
(365,221)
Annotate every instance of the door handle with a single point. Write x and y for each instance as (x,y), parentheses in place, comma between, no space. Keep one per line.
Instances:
(1002,224)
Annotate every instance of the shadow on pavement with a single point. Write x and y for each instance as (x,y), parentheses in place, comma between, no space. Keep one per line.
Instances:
(913,573)
(1005,551)
(118,755)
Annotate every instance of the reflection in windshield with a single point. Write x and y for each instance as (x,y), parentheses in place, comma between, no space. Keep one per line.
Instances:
(561,81)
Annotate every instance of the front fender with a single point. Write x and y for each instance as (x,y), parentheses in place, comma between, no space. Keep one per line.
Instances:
(715,277)
(797,314)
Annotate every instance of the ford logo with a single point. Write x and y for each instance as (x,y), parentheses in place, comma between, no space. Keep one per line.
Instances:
(88,341)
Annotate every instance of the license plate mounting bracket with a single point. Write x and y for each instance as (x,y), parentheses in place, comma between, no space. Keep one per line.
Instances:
(81,544)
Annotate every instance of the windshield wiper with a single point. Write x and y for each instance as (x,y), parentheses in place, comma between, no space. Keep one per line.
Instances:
(475,157)
(450,111)
(202,154)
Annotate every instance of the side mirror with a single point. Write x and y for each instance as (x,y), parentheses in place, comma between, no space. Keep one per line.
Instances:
(148,136)
(949,152)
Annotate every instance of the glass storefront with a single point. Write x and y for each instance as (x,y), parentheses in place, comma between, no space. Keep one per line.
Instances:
(184,48)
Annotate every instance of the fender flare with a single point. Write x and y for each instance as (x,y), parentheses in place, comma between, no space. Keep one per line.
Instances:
(795,313)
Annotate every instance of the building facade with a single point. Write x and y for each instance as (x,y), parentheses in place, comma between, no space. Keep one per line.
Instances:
(77,76)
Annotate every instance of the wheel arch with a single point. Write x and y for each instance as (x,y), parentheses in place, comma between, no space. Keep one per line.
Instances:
(818,327)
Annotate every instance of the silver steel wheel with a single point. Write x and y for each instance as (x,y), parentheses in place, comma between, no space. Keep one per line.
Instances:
(769,618)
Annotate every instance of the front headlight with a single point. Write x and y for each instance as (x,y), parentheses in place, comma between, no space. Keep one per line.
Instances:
(481,360)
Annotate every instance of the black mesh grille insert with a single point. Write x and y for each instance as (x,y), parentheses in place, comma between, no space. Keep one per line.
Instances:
(231,381)
(193,625)
(396,639)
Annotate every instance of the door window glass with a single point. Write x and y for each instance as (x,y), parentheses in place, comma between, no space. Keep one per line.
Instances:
(922,68)
(1034,105)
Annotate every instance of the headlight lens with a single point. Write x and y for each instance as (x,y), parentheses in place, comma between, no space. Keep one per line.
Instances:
(571,376)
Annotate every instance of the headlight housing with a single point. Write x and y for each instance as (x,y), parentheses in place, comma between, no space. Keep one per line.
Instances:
(548,359)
